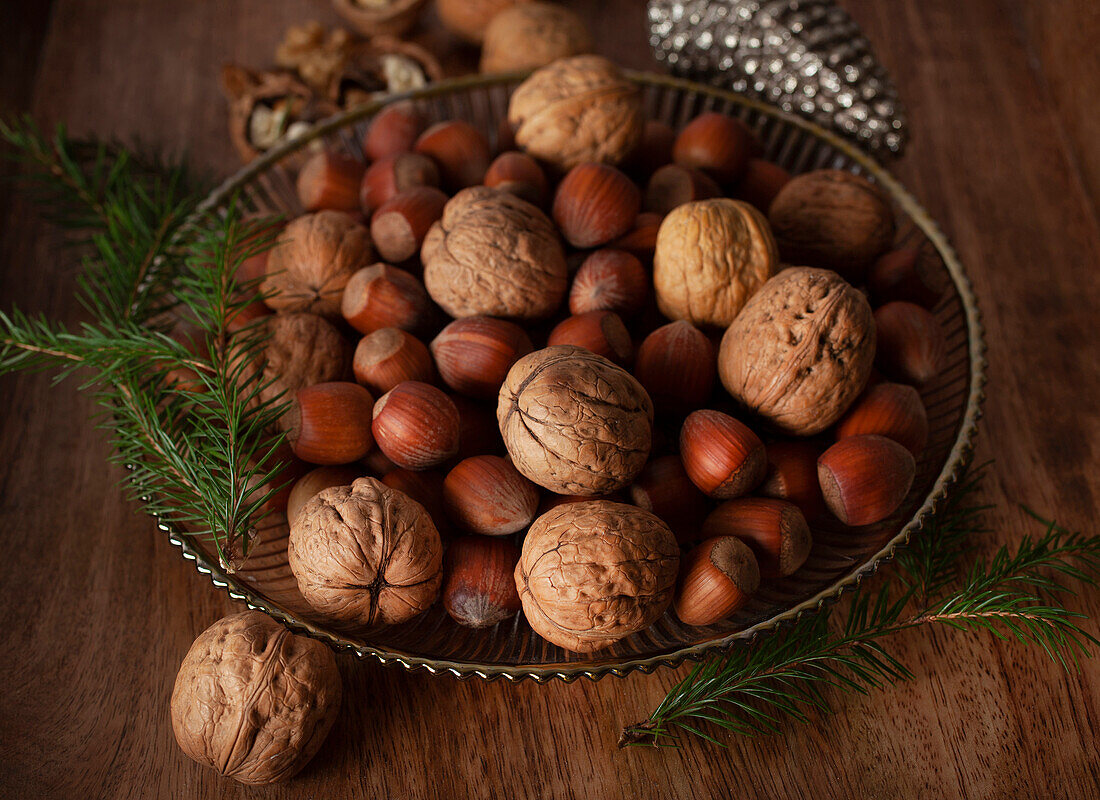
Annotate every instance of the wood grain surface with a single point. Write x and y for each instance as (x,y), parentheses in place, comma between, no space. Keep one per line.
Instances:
(97,609)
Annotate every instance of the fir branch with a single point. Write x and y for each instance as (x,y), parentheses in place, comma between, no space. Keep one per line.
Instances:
(1012,595)
(201,449)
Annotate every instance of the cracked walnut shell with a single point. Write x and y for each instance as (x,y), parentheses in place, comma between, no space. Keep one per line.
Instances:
(312,260)
(366,554)
(495,255)
(800,351)
(573,422)
(577,110)
(711,256)
(253,700)
(594,572)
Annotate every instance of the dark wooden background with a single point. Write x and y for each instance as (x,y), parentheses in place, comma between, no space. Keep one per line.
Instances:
(97,610)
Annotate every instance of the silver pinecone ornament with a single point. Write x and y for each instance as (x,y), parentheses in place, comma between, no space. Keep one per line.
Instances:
(806,56)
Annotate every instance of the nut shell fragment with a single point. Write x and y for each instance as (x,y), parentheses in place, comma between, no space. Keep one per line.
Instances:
(573,422)
(366,554)
(800,351)
(253,700)
(594,572)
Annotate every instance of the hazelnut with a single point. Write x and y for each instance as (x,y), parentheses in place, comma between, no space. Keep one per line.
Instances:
(774,530)
(377,464)
(253,700)
(911,344)
(479,588)
(722,456)
(469,18)
(609,280)
(366,555)
(329,423)
(905,275)
(478,431)
(394,174)
(677,365)
(518,174)
(864,479)
(493,254)
(593,573)
(594,204)
(601,332)
(473,354)
(461,151)
(892,410)
(664,488)
(425,486)
(719,576)
(641,240)
(761,183)
(711,256)
(389,356)
(577,110)
(832,219)
(551,500)
(312,260)
(393,130)
(800,351)
(792,475)
(416,425)
(573,422)
(330,181)
(672,186)
(532,35)
(301,350)
(487,495)
(653,150)
(400,224)
(381,296)
(313,482)
(716,144)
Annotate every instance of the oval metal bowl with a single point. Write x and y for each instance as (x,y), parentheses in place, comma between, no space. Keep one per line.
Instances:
(840,557)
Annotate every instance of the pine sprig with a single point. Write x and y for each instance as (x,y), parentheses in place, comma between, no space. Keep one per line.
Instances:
(186,415)
(755,687)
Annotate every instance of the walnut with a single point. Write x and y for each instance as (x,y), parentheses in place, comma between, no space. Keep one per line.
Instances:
(303,349)
(495,255)
(593,572)
(316,55)
(711,256)
(800,351)
(577,110)
(253,700)
(834,220)
(366,554)
(532,35)
(312,260)
(573,422)
(468,18)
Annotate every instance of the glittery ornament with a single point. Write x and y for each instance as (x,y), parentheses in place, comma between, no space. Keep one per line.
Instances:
(806,56)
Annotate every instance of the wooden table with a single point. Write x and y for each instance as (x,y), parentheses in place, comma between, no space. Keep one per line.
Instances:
(97,608)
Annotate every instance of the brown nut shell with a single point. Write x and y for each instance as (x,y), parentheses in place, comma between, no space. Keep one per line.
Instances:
(576,110)
(774,530)
(330,180)
(313,482)
(254,701)
(865,478)
(594,204)
(329,423)
(479,588)
(722,456)
(495,255)
(594,572)
(573,422)
(532,35)
(609,280)
(473,354)
(718,577)
(381,296)
(792,476)
(487,495)
(711,256)
(677,365)
(302,350)
(366,555)
(389,356)
(911,343)
(800,351)
(893,410)
(416,425)
(312,261)
(832,219)
(664,488)
(602,332)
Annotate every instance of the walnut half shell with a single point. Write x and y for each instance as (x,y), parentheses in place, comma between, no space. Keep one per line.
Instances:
(800,351)
(593,572)
(253,700)
(573,422)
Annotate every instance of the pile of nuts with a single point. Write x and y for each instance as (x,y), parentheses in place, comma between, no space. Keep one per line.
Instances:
(608,370)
